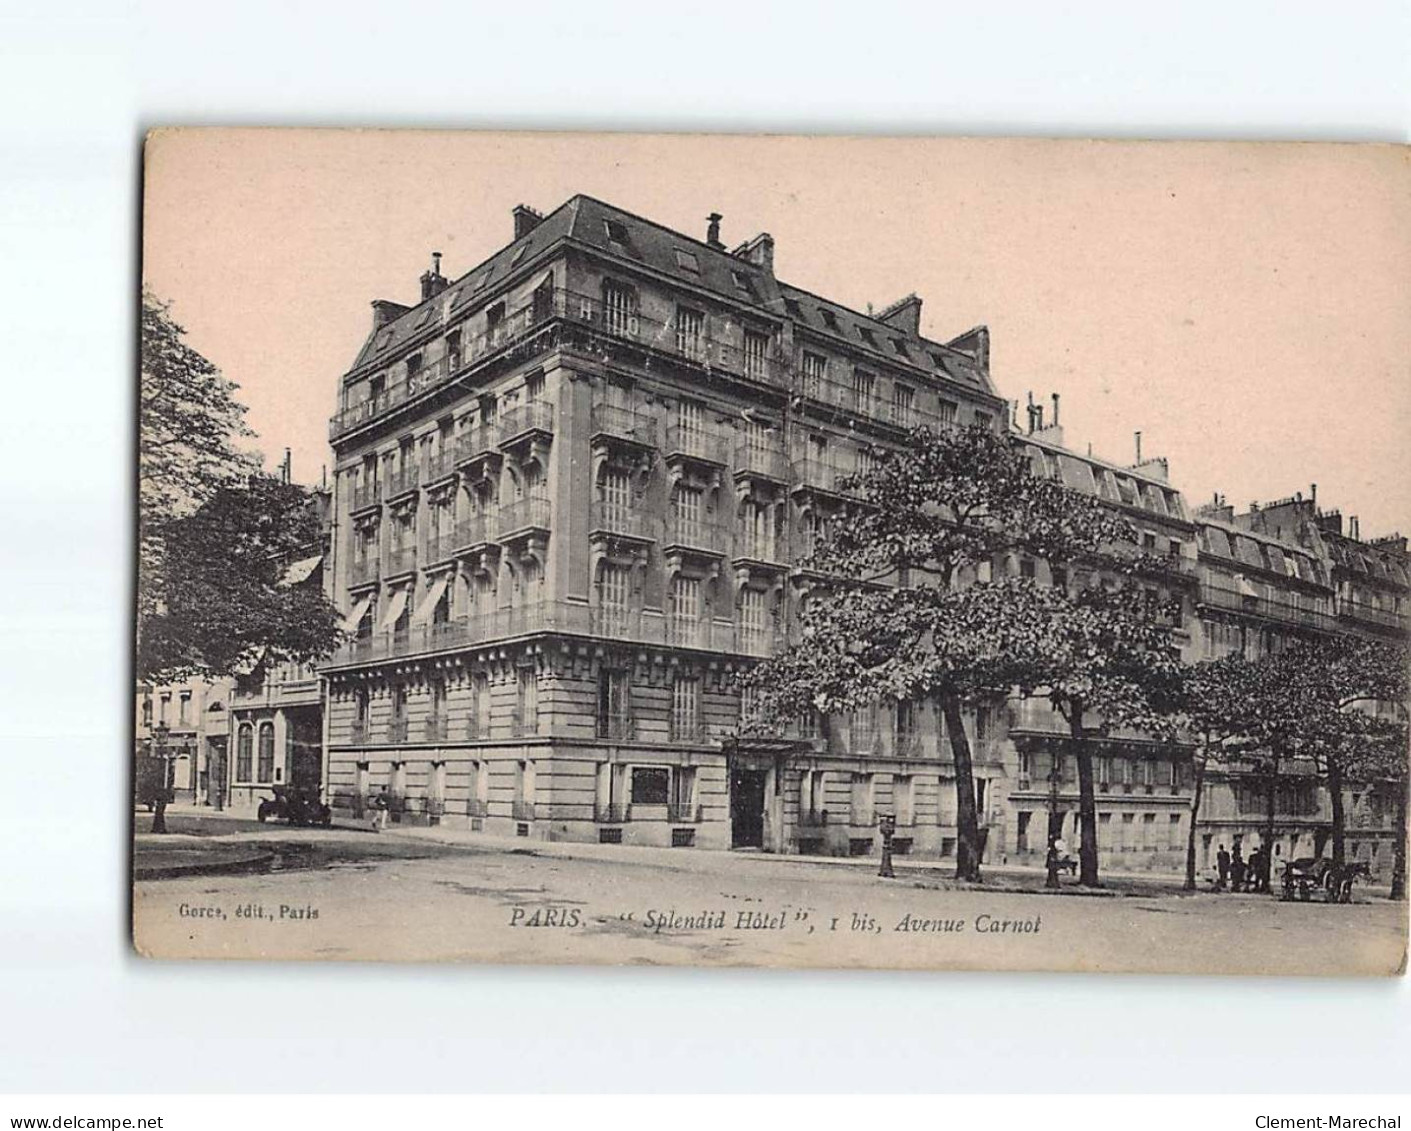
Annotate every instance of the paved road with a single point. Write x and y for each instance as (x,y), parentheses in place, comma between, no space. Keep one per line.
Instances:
(409,898)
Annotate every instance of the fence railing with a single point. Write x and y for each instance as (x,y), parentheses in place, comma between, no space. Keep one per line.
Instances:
(1370,614)
(1220,597)
(616,518)
(621,423)
(524,514)
(695,534)
(756,459)
(405,479)
(481,440)
(367,495)
(695,443)
(525,418)
(477,530)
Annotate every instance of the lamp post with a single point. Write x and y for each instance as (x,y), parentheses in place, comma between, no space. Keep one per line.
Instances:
(887,825)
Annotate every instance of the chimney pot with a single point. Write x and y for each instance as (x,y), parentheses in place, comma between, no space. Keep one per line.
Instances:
(526,219)
(713,230)
(1139,447)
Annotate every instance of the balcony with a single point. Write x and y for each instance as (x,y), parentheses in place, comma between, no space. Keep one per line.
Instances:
(619,521)
(522,810)
(397,730)
(612,814)
(683,814)
(401,560)
(820,475)
(624,425)
(440,547)
(1219,597)
(366,572)
(523,516)
(906,744)
(476,531)
(694,444)
(755,641)
(702,633)
(479,442)
(441,464)
(367,495)
(434,730)
(695,536)
(1370,615)
(525,421)
(761,462)
(403,481)
(755,550)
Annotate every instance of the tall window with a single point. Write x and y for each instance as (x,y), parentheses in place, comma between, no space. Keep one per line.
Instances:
(687,509)
(616,495)
(863,730)
(685,609)
(266,767)
(759,530)
(163,709)
(614,704)
(613,597)
(183,708)
(480,705)
(527,700)
(756,351)
(244,750)
(619,309)
(815,369)
(690,332)
(864,390)
(753,621)
(903,404)
(690,421)
(757,436)
(685,708)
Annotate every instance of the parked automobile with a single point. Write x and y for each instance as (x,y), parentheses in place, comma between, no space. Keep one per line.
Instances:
(299,805)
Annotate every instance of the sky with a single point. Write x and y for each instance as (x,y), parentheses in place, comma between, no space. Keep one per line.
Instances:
(1246,307)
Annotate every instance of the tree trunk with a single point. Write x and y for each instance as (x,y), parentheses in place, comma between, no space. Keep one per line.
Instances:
(1087,799)
(1339,814)
(1199,784)
(967,849)
(1273,772)
(1398,848)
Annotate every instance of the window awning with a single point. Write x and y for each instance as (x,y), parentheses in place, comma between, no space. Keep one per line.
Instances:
(301,570)
(395,605)
(422,613)
(355,614)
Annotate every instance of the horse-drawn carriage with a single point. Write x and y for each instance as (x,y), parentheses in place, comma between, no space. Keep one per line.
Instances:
(297,804)
(1308,874)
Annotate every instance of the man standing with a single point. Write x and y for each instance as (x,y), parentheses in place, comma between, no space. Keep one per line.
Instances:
(1237,869)
(1222,863)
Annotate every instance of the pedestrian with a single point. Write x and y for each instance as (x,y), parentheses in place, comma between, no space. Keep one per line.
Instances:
(1051,864)
(1222,863)
(382,805)
(1238,869)
(1256,870)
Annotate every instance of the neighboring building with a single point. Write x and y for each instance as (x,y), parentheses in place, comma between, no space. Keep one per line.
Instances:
(276,731)
(570,491)
(187,725)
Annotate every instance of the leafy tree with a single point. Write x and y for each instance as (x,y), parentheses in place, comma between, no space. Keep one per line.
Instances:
(188,425)
(1217,700)
(222,604)
(898,615)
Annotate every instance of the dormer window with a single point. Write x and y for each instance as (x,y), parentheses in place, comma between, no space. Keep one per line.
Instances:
(743,283)
(518,254)
(617,231)
(829,319)
(478,283)
(793,307)
(900,347)
(686,260)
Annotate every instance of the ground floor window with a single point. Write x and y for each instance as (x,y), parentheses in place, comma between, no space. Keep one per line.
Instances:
(244,752)
(266,769)
(650,785)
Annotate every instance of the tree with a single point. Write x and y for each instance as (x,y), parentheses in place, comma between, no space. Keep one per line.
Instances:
(222,604)
(188,425)
(1103,658)
(897,615)
(1217,700)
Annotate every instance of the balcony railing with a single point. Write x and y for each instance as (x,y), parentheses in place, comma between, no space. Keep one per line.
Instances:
(1370,614)
(481,440)
(526,419)
(906,744)
(695,534)
(397,730)
(556,616)
(522,810)
(683,814)
(612,814)
(442,463)
(367,495)
(757,549)
(1219,597)
(694,443)
(435,729)
(813,472)
(524,515)
(755,459)
(402,560)
(364,572)
(403,480)
(477,530)
(624,521)
(439,547)
(619,423)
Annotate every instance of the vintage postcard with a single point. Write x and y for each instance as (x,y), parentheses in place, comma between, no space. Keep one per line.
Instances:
(773,551)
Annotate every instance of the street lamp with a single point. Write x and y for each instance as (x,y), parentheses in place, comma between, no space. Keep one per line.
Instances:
(887,825)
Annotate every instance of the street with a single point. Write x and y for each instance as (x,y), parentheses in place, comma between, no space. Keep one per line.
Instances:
(428,895)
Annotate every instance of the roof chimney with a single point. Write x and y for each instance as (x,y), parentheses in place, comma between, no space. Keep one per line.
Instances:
(1055,409)
(904,314)
(433,282)
(759,251)
(713,230)
(1139,447)
(526,219)
(385,310)
(286,467)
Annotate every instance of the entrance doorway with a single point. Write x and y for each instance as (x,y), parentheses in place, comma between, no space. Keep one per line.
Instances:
(746,808)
